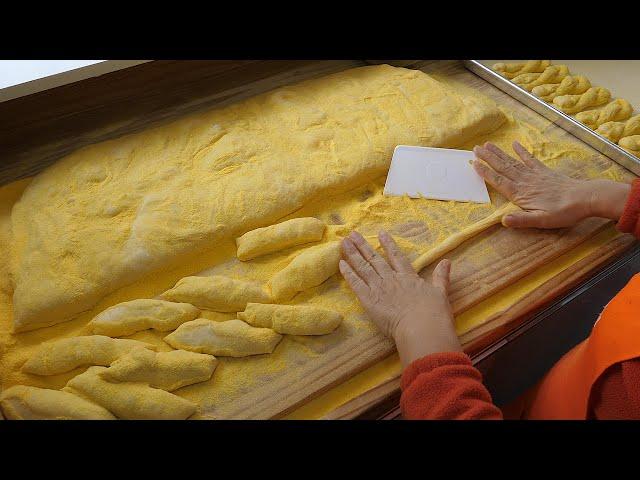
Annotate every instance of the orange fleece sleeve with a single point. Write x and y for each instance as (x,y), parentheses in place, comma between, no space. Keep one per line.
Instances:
(445,386)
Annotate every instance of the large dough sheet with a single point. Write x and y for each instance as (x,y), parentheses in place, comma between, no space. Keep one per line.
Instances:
(106,215)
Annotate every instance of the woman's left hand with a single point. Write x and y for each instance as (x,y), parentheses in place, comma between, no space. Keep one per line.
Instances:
(415,313)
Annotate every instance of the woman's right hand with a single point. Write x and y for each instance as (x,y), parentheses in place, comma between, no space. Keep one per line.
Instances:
(548,198)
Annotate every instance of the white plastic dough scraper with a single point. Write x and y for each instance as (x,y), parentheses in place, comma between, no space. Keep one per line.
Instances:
(437,173)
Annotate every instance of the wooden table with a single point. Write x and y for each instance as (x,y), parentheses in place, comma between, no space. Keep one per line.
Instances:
(38,129)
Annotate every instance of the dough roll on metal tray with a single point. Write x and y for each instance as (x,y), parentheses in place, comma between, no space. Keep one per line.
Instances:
(154,199)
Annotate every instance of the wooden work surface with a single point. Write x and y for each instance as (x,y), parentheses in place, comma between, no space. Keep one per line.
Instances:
(152,95)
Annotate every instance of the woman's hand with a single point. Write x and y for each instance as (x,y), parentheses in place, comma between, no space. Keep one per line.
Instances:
(549,199)
(415,313)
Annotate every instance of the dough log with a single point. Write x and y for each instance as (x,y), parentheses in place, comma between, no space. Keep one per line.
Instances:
(130,401)
(292,319)
(21,402)
(512,70)
(165,370)
(309,269)
(570,85)
(462,236)
(617,110)
(130,317)
(217,293)
(233,338)
(278,237)
(576,103)
(60,356)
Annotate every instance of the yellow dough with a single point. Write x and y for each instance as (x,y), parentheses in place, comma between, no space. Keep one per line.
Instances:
(462,236)
(552,74)
(570,85)
(614,131)
(233,338)
(217,293)
(309,269)
(128,318)
(278,237)
(112,213)
(59,356)
(576,103)
(617,110)
(292,319)
(165,370)
(632,126)
(631,144)
(611,130)
(511,70)
(21,402)
(130,401)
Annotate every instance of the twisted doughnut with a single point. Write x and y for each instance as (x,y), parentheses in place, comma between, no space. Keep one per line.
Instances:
(552,74)
(632,126)
(618,110)
(570,85)
(631,144)
(614,131)
(576,103)
(511,70)
(611,130)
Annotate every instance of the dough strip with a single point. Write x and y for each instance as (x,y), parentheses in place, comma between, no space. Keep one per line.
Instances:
(462,236)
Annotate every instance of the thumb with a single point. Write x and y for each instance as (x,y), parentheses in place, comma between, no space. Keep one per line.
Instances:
(524,219)
(441,276)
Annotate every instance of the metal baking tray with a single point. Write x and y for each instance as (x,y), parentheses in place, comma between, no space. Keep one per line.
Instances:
(564,121)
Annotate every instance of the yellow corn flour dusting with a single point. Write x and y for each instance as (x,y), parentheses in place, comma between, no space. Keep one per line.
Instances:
(141,210)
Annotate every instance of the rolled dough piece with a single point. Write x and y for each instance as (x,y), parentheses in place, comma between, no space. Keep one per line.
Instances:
(631,144)
(632,126)
(21,402)
(462,236)
(233,338)
(262,241)
(165,370)
(617,110)
(552,74)
(109,214)
(128,318)
(217,293)
(611,130)
(576,103)
(131,400)
(614,131)
(309,269)
(570,85)
(292,319)
(512,70)
(60,356)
